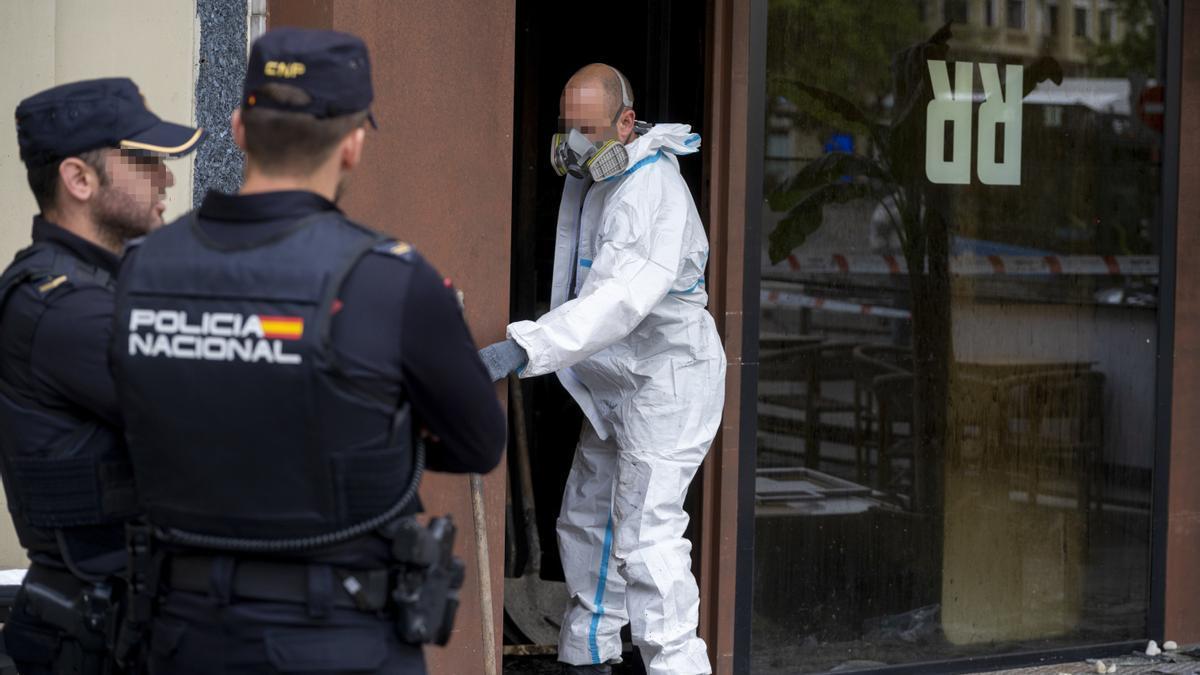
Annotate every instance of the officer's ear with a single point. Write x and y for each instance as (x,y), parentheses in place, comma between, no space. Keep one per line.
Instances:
(79,181)
(351,148)
(238,128)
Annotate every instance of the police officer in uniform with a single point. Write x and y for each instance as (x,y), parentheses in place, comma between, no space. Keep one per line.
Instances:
(278,367)
(94,156)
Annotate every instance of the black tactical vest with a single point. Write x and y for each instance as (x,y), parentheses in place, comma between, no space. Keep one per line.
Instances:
(239,419)
(61,468)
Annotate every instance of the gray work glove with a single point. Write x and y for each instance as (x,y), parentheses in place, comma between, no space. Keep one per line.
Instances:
(502,358)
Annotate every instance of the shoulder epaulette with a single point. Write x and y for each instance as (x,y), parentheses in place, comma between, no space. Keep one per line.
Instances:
(50,283)
(396,249)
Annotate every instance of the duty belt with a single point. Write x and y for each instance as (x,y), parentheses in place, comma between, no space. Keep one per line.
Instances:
(364,590)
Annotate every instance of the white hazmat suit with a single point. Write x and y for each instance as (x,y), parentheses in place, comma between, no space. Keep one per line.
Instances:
(634,345)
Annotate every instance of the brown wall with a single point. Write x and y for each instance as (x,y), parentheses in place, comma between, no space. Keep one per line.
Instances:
(437,174)
(725,197)
(1183,518)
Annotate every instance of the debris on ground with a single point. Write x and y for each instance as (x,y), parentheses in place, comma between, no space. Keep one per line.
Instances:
(919,625)
(1153,660)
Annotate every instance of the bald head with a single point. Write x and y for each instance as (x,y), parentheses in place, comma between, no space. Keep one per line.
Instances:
(606,81)
(598,101)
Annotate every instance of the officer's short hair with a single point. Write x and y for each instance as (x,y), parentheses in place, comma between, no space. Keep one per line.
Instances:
(289,142)
(43,178)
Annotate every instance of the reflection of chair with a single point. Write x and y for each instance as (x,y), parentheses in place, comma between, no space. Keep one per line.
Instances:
(883,396)
(771,343)
(1053,427)
(885,358)
(791,379)
(893,394)
(1037,427)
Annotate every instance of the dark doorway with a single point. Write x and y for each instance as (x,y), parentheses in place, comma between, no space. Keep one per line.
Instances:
(660,46)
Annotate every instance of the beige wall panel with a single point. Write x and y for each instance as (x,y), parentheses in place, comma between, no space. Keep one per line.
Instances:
(27,55)
(49,42)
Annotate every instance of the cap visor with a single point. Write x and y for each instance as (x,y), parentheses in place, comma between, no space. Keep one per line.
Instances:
(165,138)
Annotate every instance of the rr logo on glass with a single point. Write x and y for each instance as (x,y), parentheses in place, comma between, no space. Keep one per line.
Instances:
(954,106)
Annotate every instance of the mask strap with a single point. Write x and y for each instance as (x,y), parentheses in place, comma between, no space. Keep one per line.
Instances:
(626,101)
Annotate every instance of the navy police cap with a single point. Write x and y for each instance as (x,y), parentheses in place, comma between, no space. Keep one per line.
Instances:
(108,113)
(331,67)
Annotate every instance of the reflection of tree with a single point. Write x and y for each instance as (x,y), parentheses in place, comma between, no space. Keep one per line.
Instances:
(1137,50)
(896,175)
(837,45)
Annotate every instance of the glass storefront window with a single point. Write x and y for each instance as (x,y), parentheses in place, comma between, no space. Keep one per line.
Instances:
(956,416)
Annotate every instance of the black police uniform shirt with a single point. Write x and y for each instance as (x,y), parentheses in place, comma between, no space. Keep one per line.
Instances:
(413,343)
(65,367)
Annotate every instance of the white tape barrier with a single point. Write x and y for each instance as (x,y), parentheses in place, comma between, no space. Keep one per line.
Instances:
(792,299)
(972,265)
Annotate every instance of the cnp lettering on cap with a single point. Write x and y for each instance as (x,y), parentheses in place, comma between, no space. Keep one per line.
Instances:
(283,69)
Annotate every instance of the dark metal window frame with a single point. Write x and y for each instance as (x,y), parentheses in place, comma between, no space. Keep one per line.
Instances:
(748,457)
(756,107)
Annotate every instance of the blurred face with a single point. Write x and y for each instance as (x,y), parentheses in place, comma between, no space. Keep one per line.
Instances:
(585,108)
(130,202)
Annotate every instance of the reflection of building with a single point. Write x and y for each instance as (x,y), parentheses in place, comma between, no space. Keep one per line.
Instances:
(1020,29)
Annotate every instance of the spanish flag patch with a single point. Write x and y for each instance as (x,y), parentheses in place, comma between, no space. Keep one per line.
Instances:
(282,327)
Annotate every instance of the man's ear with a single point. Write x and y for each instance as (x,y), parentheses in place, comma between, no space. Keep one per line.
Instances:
(625,125)
(77,180)
(351,148)
(238,129)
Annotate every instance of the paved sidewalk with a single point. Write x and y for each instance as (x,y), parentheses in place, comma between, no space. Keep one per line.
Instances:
(1185,661)
(1171,662)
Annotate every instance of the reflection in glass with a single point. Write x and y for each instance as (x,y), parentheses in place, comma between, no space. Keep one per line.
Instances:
(1050,27)
(954,11)
(958,332)
(1016,14)
(1081,22)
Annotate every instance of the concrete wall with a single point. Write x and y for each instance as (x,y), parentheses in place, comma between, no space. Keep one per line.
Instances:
(49,42)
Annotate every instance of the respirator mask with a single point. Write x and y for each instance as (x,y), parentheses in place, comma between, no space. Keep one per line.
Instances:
(574,154)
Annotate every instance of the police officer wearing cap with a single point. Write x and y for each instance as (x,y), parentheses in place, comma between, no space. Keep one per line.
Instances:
(94,156)
(284,374)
